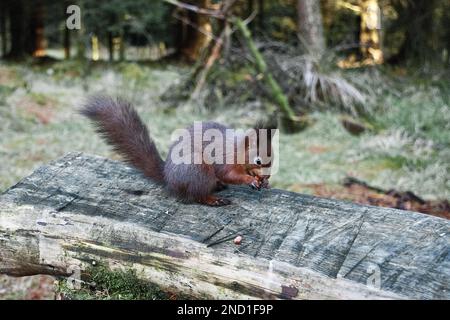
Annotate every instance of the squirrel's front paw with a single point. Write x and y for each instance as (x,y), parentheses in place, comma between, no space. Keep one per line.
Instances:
(256,184)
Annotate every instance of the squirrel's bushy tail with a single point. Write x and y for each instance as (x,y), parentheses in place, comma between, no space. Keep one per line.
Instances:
(121,127)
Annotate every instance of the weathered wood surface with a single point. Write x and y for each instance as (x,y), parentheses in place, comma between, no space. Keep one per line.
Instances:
(83,208)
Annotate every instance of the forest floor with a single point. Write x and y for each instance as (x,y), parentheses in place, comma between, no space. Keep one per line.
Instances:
(408,151)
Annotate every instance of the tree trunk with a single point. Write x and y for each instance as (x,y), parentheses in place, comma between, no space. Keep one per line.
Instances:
(67,43)
(81,209)
(27,28)
(95,48)
(370,33)
(199,31)
(66,34)
(18,27)
(36,42)
(110,46)
(310,28)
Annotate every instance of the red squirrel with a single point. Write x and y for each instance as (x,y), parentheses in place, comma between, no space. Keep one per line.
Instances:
(120,126)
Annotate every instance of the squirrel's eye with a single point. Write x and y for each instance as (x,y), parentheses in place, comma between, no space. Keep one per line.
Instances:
(258,161)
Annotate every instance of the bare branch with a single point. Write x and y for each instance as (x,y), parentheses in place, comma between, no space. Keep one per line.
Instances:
(214,13)
(195,26)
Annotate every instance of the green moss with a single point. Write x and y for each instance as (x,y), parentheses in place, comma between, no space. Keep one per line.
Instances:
(100,282)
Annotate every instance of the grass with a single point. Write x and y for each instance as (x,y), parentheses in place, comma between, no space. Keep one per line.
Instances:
(407,150)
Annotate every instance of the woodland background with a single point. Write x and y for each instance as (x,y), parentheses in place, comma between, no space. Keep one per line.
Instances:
(360,89)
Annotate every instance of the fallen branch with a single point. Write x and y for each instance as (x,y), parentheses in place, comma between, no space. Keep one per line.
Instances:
(215,54)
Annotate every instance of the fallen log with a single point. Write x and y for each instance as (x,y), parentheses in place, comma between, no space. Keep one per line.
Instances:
(82,209)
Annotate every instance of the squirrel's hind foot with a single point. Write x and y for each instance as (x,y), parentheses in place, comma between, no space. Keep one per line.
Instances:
(214,201)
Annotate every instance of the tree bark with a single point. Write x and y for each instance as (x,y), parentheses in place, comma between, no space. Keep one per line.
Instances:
(370,33)
(198,32)
(310,28)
